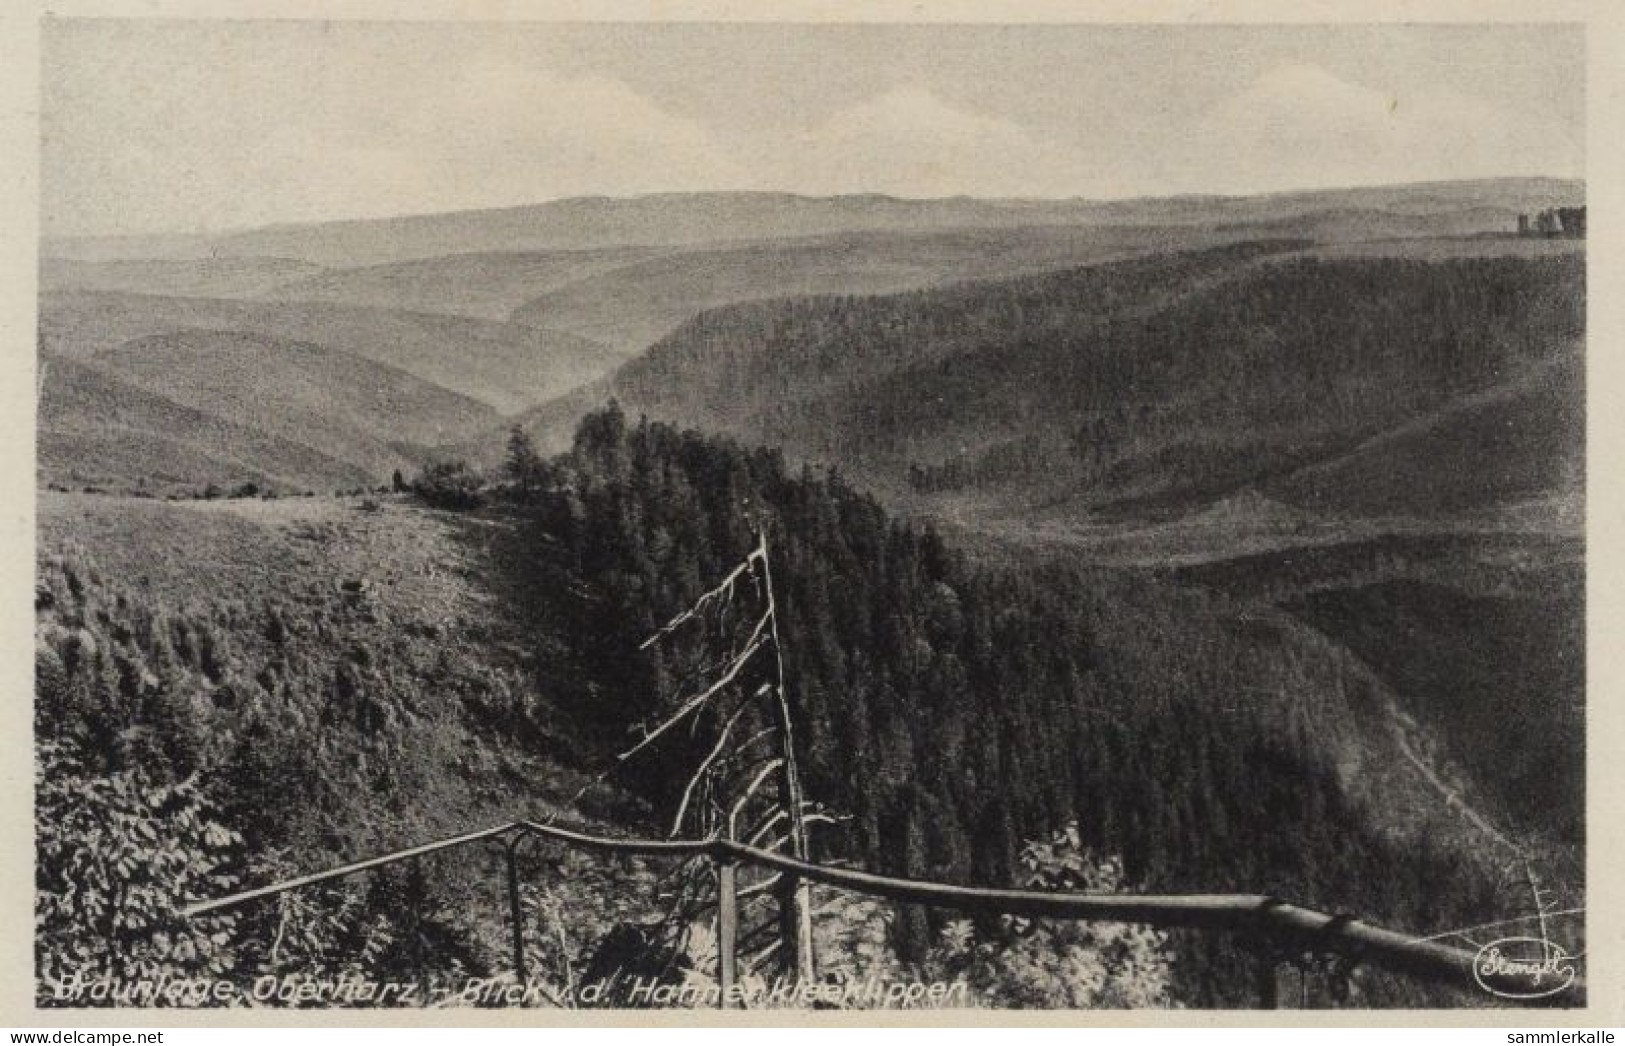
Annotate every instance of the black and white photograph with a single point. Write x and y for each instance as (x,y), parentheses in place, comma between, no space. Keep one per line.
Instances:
(733,517)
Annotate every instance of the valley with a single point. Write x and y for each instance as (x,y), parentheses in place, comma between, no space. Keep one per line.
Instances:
(1246,533)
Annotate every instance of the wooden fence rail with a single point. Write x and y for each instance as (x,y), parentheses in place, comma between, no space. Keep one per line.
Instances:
(1288,927)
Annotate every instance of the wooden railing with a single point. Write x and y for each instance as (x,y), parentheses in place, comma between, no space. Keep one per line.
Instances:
(1288,927)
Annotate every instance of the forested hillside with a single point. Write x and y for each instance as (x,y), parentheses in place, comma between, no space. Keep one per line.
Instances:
(1152,387)
(954,710)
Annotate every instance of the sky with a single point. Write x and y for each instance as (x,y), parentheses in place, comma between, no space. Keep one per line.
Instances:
(193,126)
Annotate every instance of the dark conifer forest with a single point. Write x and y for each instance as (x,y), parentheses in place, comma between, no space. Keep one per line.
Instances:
(956,709)
(1138,388)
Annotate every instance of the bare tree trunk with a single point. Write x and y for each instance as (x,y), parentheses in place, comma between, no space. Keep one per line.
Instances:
(796,899)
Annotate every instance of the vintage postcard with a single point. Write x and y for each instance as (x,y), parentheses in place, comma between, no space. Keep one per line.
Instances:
(648,514)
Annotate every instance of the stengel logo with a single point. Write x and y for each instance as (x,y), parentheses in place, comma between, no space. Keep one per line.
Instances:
(1542,962)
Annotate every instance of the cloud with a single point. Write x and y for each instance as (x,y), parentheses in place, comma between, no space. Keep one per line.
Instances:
(908,141)
(1299,126)
(912,115)
(560,135)
(499,133)
(196,149)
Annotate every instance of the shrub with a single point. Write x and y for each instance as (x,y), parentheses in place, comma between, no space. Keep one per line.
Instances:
(1070,964)
(117,855)
(450,484)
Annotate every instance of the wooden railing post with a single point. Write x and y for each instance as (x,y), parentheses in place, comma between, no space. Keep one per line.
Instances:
(516,907)
(417,886)
(1340,980)
(795,926)
(1269,979)
(727,931)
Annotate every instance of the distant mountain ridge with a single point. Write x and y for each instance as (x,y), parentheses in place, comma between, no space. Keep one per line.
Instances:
(714,218)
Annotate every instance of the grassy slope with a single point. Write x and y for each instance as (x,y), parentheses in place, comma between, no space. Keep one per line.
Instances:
(96,428)
(344,407)
(297,553)
(503,365)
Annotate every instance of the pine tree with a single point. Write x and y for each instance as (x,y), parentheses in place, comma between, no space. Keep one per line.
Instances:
(524,466)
